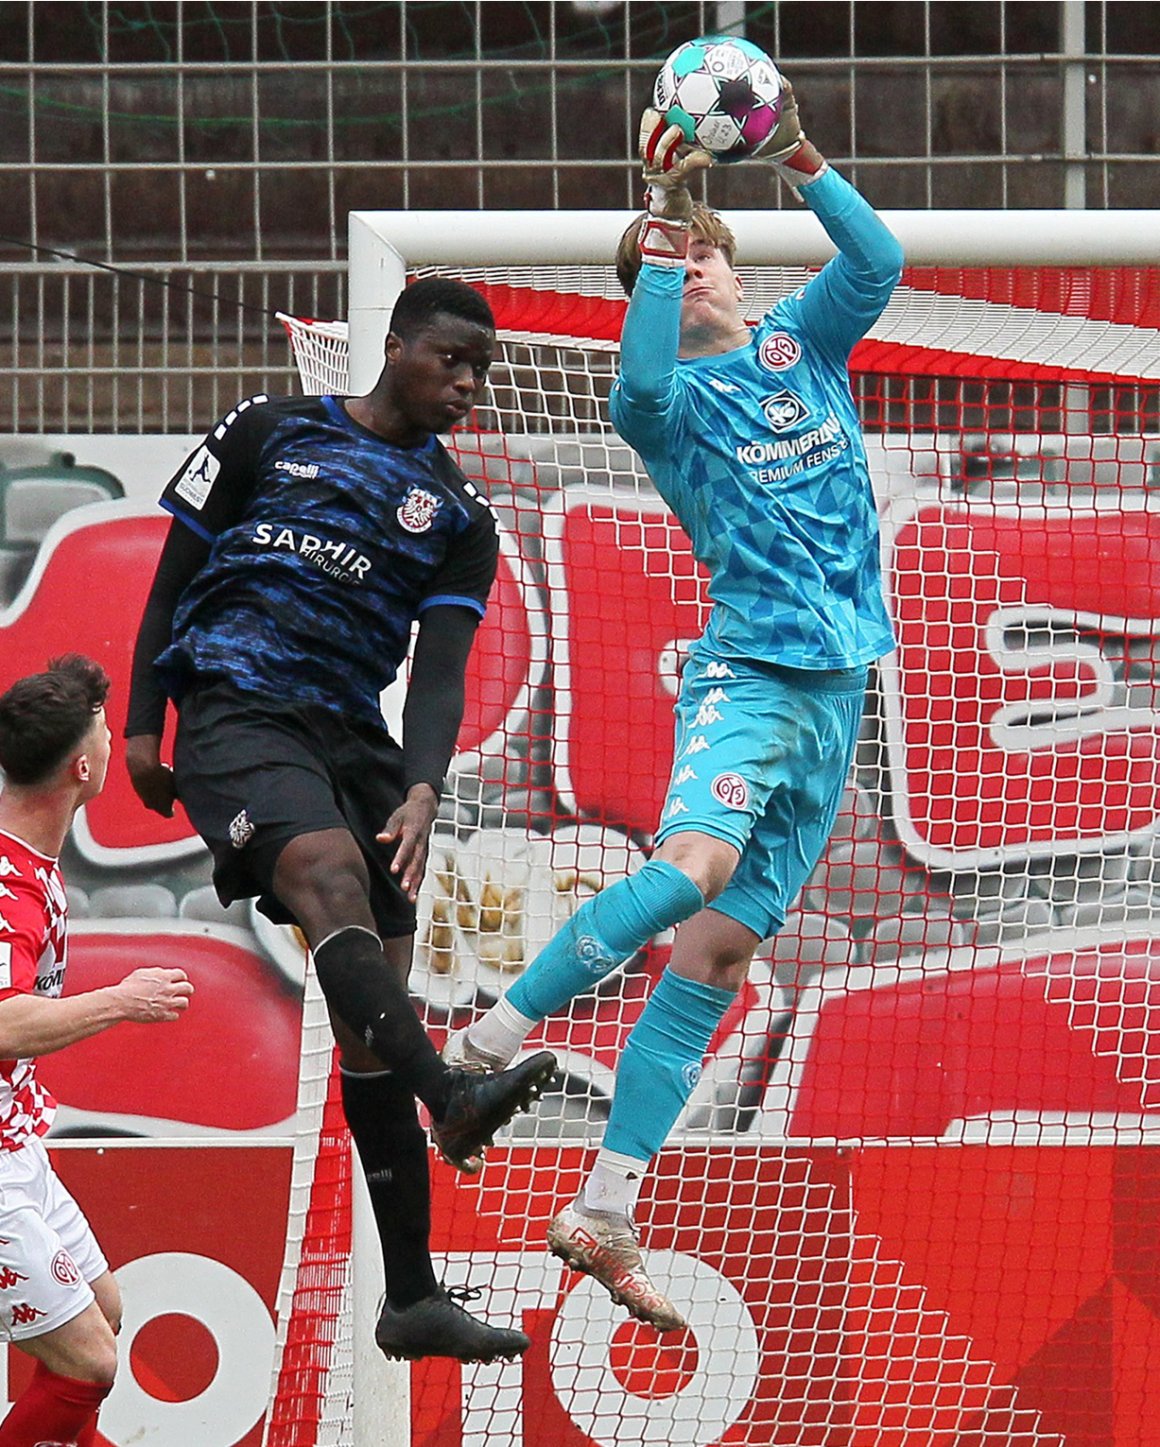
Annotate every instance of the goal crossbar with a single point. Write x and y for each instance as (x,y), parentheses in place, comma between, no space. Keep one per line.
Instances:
(774,237)
(384,244)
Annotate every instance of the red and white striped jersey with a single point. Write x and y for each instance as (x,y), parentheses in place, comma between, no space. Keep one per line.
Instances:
(33,956)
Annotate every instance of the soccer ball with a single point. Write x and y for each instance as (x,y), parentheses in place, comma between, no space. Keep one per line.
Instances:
(724,93)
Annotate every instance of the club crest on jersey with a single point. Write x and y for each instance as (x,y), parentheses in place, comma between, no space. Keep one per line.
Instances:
(241,829)
(64,1269)
(418,509)
(783,410)
(779,351)
(730,790)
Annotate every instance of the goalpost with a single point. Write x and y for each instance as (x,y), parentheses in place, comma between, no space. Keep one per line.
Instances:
(912,1198)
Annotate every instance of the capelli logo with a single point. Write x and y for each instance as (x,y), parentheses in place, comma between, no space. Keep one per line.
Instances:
(297,469)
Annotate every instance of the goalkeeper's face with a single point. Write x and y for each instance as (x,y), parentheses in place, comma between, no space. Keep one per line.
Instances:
(710,303)
(438,371)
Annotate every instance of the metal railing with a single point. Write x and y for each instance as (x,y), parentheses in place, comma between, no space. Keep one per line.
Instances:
(153,348)
(202,158)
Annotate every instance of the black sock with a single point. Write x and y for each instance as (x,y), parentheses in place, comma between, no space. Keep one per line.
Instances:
(366,994)
(392,1147)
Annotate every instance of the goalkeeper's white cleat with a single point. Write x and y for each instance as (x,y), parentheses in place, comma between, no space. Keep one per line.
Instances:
(603,1245)
(461,1054)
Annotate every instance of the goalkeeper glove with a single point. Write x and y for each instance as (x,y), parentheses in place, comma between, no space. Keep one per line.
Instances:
(664,233)
(793,156)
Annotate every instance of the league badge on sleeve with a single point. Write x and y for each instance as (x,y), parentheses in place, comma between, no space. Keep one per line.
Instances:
(193,486)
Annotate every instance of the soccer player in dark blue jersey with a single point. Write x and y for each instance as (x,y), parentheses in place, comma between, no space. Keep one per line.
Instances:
(308,535)
(753,438)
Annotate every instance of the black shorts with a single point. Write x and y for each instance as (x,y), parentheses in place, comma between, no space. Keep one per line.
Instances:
(253,774)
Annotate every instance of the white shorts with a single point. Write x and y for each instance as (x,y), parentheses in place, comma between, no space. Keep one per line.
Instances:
(48,1253)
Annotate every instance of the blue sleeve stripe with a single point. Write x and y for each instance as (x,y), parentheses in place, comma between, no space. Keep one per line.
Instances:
(191,523)
(454,600)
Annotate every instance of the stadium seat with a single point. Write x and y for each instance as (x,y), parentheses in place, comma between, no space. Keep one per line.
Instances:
(33,498)
(230,1064)
(133,901)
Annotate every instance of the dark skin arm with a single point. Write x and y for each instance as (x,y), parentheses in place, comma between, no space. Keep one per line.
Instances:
(182,556)
(431,718)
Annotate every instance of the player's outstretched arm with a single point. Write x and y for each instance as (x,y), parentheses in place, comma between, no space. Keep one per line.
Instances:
(843,301)
(32,1025)
(668,167)
(182,556)
(431,718)
(654,253)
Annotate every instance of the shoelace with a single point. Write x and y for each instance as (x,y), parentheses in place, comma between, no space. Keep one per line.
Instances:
(457,1295)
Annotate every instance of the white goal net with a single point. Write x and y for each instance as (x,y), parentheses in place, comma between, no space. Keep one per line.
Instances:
(913,1199)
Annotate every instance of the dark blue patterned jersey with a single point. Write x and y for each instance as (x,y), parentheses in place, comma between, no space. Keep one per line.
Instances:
(326,543)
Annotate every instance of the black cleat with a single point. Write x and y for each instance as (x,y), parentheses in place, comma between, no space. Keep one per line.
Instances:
(438,1326)
(482,1104)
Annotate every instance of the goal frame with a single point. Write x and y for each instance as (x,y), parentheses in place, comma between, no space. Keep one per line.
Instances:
(383,245)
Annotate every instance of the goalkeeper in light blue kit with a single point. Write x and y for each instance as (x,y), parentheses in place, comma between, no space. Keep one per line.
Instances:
(752,438)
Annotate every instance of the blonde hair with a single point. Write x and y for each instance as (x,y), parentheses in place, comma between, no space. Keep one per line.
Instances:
(706,224)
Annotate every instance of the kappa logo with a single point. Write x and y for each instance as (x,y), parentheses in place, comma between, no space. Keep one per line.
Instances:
(779,352)
(241,829)
(64,1269)
(687,773)
(783,410)
(193,486)
(23,1313)
(720,386)
(418,509)
(9,1278)
(7,868)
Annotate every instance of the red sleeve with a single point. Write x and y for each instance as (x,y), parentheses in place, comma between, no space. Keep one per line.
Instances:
(23,935)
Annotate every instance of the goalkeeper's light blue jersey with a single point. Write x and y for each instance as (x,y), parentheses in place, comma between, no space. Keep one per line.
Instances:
(759,451)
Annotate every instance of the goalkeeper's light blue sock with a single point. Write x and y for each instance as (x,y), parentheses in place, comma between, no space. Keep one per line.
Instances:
(603,932)
(661,1063)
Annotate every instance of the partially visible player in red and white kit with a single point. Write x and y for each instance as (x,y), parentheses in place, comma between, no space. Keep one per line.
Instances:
(58,1299)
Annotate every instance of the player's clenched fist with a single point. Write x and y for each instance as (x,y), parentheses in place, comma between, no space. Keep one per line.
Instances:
(151,779)
(152,995)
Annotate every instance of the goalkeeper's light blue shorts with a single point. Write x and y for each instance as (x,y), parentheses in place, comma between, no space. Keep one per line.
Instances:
(761,759)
